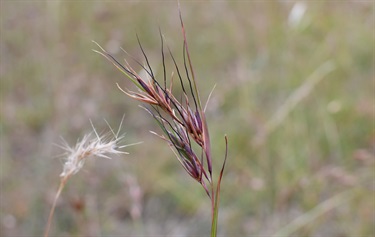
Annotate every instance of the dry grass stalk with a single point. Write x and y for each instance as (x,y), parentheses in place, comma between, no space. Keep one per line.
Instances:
(89,146)
(182,121)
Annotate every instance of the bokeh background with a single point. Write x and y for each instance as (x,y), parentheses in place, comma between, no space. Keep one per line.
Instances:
(294,93)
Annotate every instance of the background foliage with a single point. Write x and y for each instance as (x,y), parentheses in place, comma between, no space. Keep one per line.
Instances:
(295,95)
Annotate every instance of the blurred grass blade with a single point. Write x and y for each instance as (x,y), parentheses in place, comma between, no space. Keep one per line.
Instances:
(292,101)
(319,210)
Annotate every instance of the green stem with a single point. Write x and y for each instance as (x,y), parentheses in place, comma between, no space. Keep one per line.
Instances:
(215,214)
(216,198)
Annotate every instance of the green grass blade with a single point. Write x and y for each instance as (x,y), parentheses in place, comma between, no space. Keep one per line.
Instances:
(217,196)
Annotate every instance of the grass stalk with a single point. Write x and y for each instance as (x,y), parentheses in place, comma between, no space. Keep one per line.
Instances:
(52,211)
(216,202)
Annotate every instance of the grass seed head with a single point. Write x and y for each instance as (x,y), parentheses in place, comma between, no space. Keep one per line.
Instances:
(182,124)
(89,146)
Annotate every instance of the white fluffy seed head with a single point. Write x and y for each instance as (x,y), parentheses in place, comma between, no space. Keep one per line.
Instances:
(90,146)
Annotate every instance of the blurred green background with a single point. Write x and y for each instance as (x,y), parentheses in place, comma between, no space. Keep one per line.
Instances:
(294,93)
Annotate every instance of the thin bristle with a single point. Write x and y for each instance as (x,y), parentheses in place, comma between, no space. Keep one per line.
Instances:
(145,56)
(163,59)
(187,75)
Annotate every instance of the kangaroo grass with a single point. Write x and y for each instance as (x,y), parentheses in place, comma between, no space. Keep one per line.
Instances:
(182,124)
